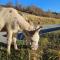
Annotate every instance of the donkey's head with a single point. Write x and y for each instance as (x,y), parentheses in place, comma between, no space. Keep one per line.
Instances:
(35,38)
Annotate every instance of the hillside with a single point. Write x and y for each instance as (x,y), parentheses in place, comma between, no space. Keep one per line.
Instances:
(39,19)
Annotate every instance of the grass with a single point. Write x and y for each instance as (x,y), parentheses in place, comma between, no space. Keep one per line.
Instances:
(49,44)
(49,49)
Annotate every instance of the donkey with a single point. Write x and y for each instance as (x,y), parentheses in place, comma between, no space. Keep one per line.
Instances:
(13,21)
(9,17)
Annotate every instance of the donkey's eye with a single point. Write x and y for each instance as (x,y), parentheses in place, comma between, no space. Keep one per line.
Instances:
(10,11)
(41,26)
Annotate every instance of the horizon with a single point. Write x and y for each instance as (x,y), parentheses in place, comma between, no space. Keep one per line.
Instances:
(45,5)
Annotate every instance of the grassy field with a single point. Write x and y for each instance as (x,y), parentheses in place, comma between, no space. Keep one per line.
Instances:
(49,49)
(49,44)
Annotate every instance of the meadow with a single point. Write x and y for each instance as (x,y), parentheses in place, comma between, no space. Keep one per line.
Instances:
(49,43)
(49,49)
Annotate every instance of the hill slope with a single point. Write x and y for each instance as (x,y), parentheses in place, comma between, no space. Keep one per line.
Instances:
(39,19)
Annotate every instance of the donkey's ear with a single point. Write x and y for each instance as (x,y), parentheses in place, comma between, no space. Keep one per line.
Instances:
(38,27)
(41,26)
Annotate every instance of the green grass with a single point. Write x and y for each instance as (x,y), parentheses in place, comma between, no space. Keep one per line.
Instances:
(20,42)
(49,49)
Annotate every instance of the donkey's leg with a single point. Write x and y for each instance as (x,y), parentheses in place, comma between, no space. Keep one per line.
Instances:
(9,41)
(15,44)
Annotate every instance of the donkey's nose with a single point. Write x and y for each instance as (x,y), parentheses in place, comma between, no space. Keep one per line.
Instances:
(35,47)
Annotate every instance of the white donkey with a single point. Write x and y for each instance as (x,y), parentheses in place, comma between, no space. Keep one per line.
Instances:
(10,18)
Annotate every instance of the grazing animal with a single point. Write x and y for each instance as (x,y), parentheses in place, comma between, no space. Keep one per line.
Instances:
(9,17)
(13,22)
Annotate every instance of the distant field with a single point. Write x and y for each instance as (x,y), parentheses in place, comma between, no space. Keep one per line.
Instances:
(39,19)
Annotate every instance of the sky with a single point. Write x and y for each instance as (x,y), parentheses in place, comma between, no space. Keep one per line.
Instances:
(53,5)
